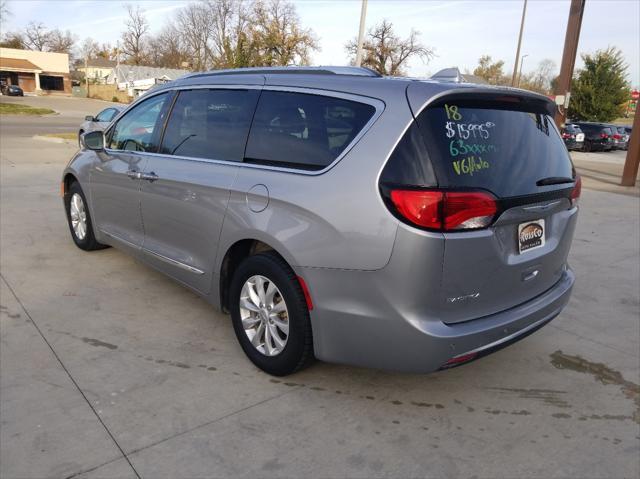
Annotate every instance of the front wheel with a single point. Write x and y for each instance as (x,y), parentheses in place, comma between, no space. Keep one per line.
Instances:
(270,315)
(79,219)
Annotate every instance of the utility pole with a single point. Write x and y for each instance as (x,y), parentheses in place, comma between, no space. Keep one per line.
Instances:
(363,15)
(86,74)
(630,171)
(515,64)
(563,88)
(520,74)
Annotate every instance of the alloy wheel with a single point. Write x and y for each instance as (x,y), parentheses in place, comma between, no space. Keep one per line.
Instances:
(264,315)
(78,216)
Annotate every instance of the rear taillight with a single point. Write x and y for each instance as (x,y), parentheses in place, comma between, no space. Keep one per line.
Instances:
(617,137)
(604,135)
(577,189)
(566,135)
(445,210)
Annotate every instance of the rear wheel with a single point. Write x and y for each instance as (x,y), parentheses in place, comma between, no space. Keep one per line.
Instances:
(79,219)
(587,146)
(270,315)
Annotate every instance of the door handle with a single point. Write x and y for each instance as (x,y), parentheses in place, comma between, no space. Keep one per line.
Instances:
(134,175)
(149,176)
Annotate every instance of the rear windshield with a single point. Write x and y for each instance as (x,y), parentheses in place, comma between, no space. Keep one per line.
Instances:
(493,146)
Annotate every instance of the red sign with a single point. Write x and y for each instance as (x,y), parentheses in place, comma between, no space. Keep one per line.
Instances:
(635,94)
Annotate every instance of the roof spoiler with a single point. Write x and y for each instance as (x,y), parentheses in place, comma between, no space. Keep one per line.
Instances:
(449,74)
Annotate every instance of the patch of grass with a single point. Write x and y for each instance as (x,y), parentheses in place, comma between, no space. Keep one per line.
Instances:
(64,136)
(16,109)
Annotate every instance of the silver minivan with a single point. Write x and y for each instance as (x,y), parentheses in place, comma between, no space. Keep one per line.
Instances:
(392,223)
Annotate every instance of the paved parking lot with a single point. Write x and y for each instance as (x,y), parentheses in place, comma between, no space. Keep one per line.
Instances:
(108,369)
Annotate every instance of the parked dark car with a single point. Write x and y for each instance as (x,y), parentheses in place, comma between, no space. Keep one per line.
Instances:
(12,90)
(597,136)
(620,137)
(573,137)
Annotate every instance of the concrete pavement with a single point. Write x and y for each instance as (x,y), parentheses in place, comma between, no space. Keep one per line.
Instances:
(108,369)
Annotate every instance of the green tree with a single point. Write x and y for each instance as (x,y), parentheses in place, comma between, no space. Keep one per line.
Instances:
(600,90)
(491,71)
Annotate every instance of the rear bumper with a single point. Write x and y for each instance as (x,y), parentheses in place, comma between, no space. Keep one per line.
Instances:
(574,145)
(354,323)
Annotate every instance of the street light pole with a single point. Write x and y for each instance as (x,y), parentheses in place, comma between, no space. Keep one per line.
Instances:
(515,64)
(363,15)
(520,74)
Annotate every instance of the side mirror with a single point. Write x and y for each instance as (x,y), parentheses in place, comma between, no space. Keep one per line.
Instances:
(89,118)
(94,140)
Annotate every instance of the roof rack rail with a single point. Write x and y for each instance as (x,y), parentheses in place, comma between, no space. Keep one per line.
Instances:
(322,70)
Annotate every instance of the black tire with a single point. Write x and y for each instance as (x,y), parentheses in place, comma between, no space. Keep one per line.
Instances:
(88,243)
(298,351)
(587,146)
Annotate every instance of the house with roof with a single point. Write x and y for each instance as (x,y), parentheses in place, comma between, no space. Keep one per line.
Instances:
(97,69)
(137,79)
(34,71)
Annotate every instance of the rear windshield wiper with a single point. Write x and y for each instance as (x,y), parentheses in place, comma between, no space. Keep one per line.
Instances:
(554,180)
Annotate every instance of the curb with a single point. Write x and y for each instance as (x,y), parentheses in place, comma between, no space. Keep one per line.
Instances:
(53,139)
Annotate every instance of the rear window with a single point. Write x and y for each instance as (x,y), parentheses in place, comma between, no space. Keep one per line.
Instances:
(504,148)
(303,131)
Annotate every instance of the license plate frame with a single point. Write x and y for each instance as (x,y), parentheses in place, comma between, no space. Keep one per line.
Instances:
(531,235)
(580,137)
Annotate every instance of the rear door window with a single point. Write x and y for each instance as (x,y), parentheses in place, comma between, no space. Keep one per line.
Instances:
(211,124)
(303,131)
(500,147)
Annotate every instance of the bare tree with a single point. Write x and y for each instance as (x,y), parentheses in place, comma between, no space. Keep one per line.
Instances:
(387,53)
(231,45)
(167,49)
(196,26)
(133,38)
(4,11)
(14,40)
(60,42)
(36,36)
(88,48)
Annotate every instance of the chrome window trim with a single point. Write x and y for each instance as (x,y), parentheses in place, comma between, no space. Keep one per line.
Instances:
(379,106)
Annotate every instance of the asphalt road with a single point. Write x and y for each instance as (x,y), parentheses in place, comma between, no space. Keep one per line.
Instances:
(70,112)
(108,369)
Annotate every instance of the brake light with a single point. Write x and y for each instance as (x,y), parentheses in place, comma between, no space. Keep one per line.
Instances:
(577,189)
(617,137)
(445,210)
(604,135)
(566,135)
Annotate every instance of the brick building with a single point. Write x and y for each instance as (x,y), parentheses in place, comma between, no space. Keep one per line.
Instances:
(34,71)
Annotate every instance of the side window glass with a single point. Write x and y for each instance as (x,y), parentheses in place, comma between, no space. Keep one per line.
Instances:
(105,115)
(211,124)
(303,131)
(137,129)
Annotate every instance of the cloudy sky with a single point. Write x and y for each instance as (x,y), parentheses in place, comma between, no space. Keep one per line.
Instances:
(459,31)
